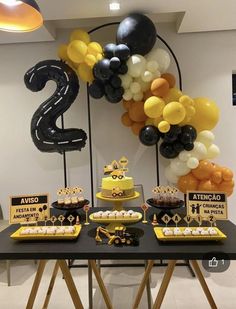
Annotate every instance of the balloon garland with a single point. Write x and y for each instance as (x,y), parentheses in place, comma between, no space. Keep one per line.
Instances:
(46,136)
(136,72)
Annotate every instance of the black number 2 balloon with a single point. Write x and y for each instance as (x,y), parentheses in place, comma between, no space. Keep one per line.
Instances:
(46,136)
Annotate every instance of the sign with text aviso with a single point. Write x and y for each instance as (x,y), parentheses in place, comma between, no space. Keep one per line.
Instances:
(207,204)
(29,208)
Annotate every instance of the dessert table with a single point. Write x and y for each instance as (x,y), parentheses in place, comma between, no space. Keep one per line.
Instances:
(85,248)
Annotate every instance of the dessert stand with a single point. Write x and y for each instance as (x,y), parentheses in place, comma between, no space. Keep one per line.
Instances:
(117,202)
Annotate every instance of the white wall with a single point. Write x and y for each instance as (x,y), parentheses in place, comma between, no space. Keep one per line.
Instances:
(207,61)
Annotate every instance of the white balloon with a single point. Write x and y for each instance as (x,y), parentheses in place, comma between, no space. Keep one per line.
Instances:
(199,151)
(192,162)
(152,66)
(127,96)
(179,168)
(147,76)
(170,176)
(161,56)
(185,155)
(144,85)
(157,74)
(206,137)
(135,87)
(126,80)
(138,96)
(136,65)
(213,151)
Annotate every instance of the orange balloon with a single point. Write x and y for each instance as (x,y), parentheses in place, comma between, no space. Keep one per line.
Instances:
(127,104)
(160,87)
(170,78)
(126,120)
(136,112)
(216,177)
(227,187)
(204,170)
(147,95)
(187,182)
(136,127)
(227,174)
(207,185)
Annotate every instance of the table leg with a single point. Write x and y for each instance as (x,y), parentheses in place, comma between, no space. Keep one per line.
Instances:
(164,285)
(70,284)
(101,284)
(51,285)
(90,286)
(143,284)
(203,284)
(36,284)
(148,288)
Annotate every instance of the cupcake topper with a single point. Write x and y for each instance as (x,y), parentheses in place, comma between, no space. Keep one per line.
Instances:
(188,219)
(36,218)
(53,219)
(45,220)
(166,219)
(86,209)
(176,218)
(145,209)
(198,219)
(211,219)
(71,219)
(61,219)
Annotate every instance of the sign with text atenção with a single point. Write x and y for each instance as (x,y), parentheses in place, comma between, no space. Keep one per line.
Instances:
(207,204)
(28,208)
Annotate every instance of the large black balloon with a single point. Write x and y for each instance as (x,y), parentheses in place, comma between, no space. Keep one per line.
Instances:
(101,70)
(96,89)
(46,136)
(149,135)
(190,130)
(138,32)
(168,151)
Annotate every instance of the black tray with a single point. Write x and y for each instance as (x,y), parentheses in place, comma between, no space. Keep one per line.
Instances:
(71,206)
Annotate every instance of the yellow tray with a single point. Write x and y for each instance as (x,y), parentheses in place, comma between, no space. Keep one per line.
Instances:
(162,237)
(18,236)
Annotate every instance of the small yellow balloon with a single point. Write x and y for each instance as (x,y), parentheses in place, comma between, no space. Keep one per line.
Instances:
(164,126)
(77,51)
(186,101)
(173,95)
(85,73)
(80,35)
(94,48)
(62,52)
(99,57)
(157,121)
(206,116)
(153,107)
(174,113)
(149,122)
(90,60)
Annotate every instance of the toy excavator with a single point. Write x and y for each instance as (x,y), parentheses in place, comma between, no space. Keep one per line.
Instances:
(119,238)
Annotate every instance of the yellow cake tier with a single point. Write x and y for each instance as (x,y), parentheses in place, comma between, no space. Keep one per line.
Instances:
(117,188)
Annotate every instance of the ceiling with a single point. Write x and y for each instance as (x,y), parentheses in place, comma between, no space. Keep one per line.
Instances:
(189,16)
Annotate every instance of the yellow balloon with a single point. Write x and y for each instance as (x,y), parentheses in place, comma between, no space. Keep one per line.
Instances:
(164,126)
(173,95)
(153,107)
(99,57)
(62,52)
(94,48)
(85,73)
(174,113)
(157,120)
(186,101)
(90,60)
(206,116)
(77,51)
(80,35)
(149,122)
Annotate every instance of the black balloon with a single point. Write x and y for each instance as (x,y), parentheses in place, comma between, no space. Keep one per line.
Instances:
(189,146)
(186,138)
(178,146)
(190,130)
(116,81)
(115,63)
(96,89)
(109,50)
(149,135)
(123,69)
(172,135)
(138,32)
(122,52)
(46,136)
(167,151)
(101,70)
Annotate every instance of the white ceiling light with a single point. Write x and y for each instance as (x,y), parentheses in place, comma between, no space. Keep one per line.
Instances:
(114,6)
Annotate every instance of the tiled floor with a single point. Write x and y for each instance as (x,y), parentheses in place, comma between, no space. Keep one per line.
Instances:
(122,283)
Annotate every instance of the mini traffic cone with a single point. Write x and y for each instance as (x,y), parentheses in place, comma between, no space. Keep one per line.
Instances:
(77,221)
(154,220)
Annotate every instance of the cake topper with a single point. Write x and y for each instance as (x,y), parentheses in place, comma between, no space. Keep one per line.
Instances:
(166,219)
(145,209)
(86,210)
(117,169)
(176,218)
(188,219)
